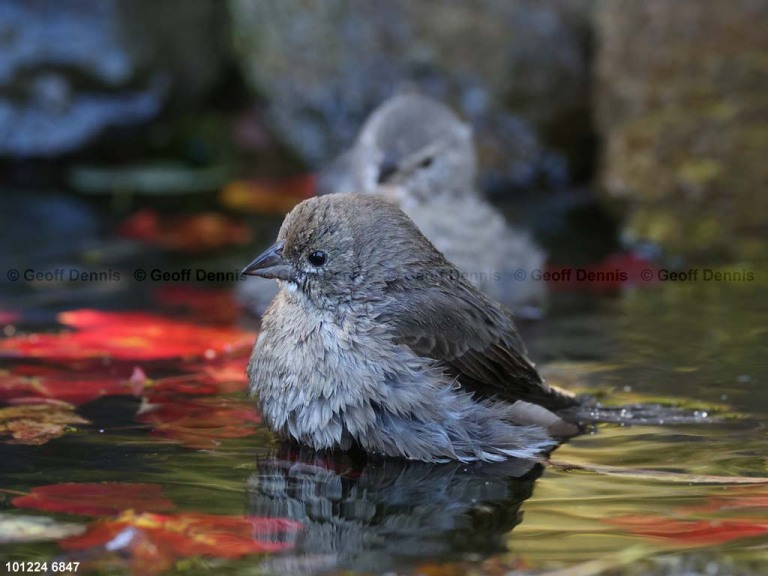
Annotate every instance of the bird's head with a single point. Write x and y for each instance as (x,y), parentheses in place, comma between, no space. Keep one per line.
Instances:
(345,247)
(414,150)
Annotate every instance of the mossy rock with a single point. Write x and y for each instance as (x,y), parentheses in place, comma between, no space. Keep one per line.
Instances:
(682,104)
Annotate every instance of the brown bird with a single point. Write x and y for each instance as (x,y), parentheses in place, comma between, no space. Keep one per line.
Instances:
(375,340)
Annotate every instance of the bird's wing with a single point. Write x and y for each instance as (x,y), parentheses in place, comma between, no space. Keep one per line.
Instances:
(475,338)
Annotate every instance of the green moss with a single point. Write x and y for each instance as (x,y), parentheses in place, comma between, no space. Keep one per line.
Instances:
(653,225)
(699,171)
(706,231)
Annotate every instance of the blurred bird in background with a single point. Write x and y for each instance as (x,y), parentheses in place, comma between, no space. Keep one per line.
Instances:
(418,153)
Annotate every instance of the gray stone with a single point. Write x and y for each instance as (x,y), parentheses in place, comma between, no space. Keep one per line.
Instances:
(70,69)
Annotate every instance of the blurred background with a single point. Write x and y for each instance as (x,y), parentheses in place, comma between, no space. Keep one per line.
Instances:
(181,125)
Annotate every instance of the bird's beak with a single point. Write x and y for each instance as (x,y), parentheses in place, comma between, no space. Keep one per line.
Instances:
(270,264)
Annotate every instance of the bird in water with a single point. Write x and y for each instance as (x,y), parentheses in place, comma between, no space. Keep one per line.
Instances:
(376,341)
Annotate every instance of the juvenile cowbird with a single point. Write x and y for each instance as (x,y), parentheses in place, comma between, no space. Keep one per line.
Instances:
(376,341)
(416,151)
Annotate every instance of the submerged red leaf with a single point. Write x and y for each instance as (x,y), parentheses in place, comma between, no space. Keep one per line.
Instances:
(221,377)
(690,532)
(73,387)
(268,196)
(614,273)
(201,422)
(152,542)
(228,369)
(191,233)
(96,498)
(128,336)
(27,382)
(6,316)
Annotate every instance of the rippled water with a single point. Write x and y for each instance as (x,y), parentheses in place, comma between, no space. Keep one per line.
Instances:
(694,346)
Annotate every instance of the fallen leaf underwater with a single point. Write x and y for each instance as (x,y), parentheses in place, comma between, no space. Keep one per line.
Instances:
(127,336)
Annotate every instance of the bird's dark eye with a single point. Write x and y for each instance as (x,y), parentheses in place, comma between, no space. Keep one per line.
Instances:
(426,163)
(317,258)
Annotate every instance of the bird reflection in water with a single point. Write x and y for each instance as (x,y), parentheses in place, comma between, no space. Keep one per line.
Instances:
(380,514)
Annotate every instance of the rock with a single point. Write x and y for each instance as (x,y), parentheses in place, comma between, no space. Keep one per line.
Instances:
(70,69)
(515,70)
(682,102)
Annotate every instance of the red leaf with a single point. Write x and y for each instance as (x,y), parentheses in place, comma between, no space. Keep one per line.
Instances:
(152,542)
(72,387)
(6,316)
(228,373)
(96,498)
(141,225)
(128,336)
(190,233)
(200,422)
(80,386)
(268,196)
(690,532)
(221,377)
(612,274)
